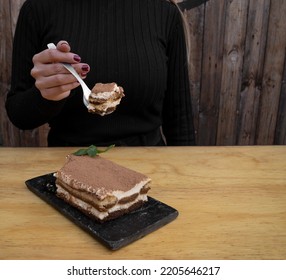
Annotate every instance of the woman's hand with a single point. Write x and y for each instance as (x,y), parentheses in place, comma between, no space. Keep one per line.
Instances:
(52,79)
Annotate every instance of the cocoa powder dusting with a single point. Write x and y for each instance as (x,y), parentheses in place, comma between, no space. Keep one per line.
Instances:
(100,87)
(99,175)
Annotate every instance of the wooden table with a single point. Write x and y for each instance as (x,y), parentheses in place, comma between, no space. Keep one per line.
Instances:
(231,200)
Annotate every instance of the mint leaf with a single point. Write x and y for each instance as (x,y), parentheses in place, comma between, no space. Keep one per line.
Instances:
(80,152)
(105,150)
(92,151)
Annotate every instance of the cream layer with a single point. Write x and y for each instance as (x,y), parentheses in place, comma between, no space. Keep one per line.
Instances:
(103,95)
(104,107)
(101,193)
(92,210)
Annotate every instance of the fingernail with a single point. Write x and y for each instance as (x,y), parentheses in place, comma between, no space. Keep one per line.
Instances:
(76,58)
(64,43)
(85,68)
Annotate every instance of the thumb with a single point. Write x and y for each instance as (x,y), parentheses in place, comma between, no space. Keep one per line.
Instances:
(63,46)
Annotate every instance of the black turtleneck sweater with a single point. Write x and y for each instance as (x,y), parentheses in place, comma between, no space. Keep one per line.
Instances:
(138,44)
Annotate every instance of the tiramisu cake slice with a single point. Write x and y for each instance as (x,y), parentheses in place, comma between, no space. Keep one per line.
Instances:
(104,98)
(101,188)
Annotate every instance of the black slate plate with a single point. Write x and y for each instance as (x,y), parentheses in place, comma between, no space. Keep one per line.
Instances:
(113,234)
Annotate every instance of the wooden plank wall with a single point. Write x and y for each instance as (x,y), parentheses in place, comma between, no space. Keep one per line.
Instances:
(237,73)
(10,135)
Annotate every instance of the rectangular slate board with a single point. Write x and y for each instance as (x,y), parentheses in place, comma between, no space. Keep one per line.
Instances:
(113,234)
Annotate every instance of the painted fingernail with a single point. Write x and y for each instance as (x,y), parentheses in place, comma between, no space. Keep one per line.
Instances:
(85,68)
(76,58)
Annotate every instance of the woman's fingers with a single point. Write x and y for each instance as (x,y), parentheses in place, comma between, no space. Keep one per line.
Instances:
(54,55)
(52,79)
(58,92)
(47,70)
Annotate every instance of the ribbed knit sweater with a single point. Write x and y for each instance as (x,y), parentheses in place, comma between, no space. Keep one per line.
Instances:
(138,44)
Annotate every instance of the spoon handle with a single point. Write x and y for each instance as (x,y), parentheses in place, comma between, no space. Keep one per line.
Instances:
(85,88)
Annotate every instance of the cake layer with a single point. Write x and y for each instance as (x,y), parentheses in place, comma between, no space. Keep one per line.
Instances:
(104,98)
(103,109)
(100,187)
(108,202)
(112,213)
(100,177)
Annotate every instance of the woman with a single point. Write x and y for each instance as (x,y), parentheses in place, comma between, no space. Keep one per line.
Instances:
(139,44)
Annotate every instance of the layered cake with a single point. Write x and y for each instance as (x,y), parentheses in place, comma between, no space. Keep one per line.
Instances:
(101,188)
(104,98)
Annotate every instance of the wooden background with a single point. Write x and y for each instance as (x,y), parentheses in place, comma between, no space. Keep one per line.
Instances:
(237,73)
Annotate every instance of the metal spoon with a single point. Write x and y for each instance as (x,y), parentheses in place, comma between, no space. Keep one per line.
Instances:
(85,88)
